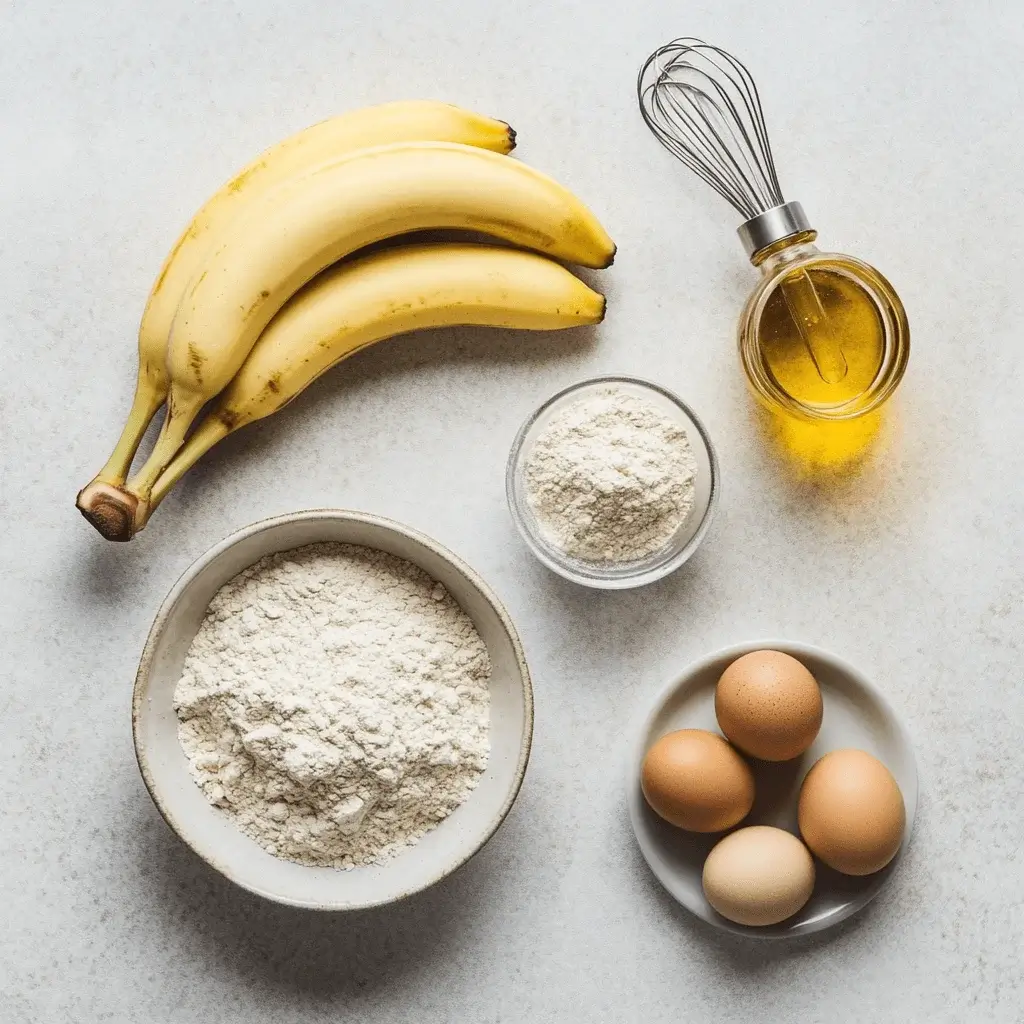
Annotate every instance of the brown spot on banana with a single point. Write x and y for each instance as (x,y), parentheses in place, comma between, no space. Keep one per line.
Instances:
(196,360)
(229,418)
(260,299)
(199,281)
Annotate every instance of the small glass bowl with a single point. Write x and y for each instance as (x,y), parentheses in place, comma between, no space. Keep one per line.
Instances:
(618,575)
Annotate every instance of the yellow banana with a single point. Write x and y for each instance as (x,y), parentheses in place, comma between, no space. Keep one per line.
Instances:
(390,122)
(311,221)
(374,297)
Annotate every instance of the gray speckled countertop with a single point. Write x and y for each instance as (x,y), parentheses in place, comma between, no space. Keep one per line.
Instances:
(892,124)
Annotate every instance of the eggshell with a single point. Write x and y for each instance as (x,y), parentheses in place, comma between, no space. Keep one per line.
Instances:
(758,876)
(851,812)
(769,705)
(695,780)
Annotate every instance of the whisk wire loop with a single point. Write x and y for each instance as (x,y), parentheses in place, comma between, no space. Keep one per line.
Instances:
(702,105)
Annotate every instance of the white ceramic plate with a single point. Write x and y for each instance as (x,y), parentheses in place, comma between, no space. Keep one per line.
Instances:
(856,715)
(210,832)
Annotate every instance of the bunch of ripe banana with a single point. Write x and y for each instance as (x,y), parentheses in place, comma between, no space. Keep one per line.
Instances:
(252,304)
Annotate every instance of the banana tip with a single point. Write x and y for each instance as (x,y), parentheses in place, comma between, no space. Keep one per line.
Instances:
(511,136)
(109,509)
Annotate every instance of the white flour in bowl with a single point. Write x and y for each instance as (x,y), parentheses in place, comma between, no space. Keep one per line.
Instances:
(335,702)
(610,478)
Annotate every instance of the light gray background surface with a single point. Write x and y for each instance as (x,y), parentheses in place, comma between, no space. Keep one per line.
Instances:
(895,125)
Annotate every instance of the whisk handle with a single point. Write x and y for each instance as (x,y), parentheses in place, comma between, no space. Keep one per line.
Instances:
(771,226)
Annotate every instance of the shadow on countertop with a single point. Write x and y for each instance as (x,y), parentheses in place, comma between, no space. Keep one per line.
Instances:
(323,955)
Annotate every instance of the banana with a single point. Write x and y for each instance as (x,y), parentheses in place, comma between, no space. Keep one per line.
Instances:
(358,303)
(360,129)
(311,221)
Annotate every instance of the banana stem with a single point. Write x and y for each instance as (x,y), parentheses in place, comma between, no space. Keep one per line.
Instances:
(145,405)
(209,432)
(181,413)
(103,501)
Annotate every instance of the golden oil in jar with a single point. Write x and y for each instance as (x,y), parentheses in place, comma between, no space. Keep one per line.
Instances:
(856,328)
(824,339)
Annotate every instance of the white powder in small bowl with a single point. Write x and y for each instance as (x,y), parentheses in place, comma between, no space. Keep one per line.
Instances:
(610,478)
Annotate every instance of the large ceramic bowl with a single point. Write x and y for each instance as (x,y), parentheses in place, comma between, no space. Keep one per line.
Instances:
(210,832)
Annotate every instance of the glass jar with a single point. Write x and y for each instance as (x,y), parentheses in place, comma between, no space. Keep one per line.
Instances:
(824,336)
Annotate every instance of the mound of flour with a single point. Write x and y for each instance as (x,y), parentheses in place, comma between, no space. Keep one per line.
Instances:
(335,703)
(611,477)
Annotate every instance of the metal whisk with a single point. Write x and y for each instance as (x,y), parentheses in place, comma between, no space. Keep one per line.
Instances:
(703,107)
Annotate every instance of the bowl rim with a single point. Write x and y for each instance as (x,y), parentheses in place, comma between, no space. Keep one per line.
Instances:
(642,726)
(645,576)
(185,580)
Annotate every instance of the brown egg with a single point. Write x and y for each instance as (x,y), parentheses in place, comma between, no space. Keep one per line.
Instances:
(851,812)
(769,705)
(695,780)
(758,876)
